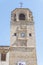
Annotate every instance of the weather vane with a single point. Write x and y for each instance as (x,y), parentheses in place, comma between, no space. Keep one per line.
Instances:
(21,4)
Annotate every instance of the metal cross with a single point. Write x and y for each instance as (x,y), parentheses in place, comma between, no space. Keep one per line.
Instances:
(21,4)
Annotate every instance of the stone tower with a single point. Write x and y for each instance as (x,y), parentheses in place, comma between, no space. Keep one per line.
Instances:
(22,38)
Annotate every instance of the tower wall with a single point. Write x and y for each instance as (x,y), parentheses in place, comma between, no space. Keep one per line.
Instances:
(22,38)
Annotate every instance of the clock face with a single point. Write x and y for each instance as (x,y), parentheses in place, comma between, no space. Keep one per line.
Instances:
(22,34)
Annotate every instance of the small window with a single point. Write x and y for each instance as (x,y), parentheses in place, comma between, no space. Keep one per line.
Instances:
(15,34)
(30,34)
(21,17)
(3,57)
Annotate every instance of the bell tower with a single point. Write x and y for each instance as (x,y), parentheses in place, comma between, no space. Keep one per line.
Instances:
(22,38)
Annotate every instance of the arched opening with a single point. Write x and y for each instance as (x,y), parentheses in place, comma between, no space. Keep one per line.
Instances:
(21,17)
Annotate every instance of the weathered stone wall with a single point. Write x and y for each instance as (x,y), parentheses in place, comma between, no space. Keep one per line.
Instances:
(27,55)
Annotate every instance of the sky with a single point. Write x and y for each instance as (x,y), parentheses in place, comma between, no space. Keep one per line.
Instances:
(36,6)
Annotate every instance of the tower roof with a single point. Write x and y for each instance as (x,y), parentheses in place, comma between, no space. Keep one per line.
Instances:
(19,9)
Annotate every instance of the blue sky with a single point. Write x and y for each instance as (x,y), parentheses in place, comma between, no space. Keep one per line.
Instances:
(36,6)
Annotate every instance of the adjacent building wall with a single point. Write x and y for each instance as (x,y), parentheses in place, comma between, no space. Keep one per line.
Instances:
(7,60)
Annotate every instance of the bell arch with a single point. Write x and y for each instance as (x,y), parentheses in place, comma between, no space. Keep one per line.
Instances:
(21,16)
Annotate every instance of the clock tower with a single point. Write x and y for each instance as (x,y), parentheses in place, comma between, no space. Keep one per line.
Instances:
(22,38)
